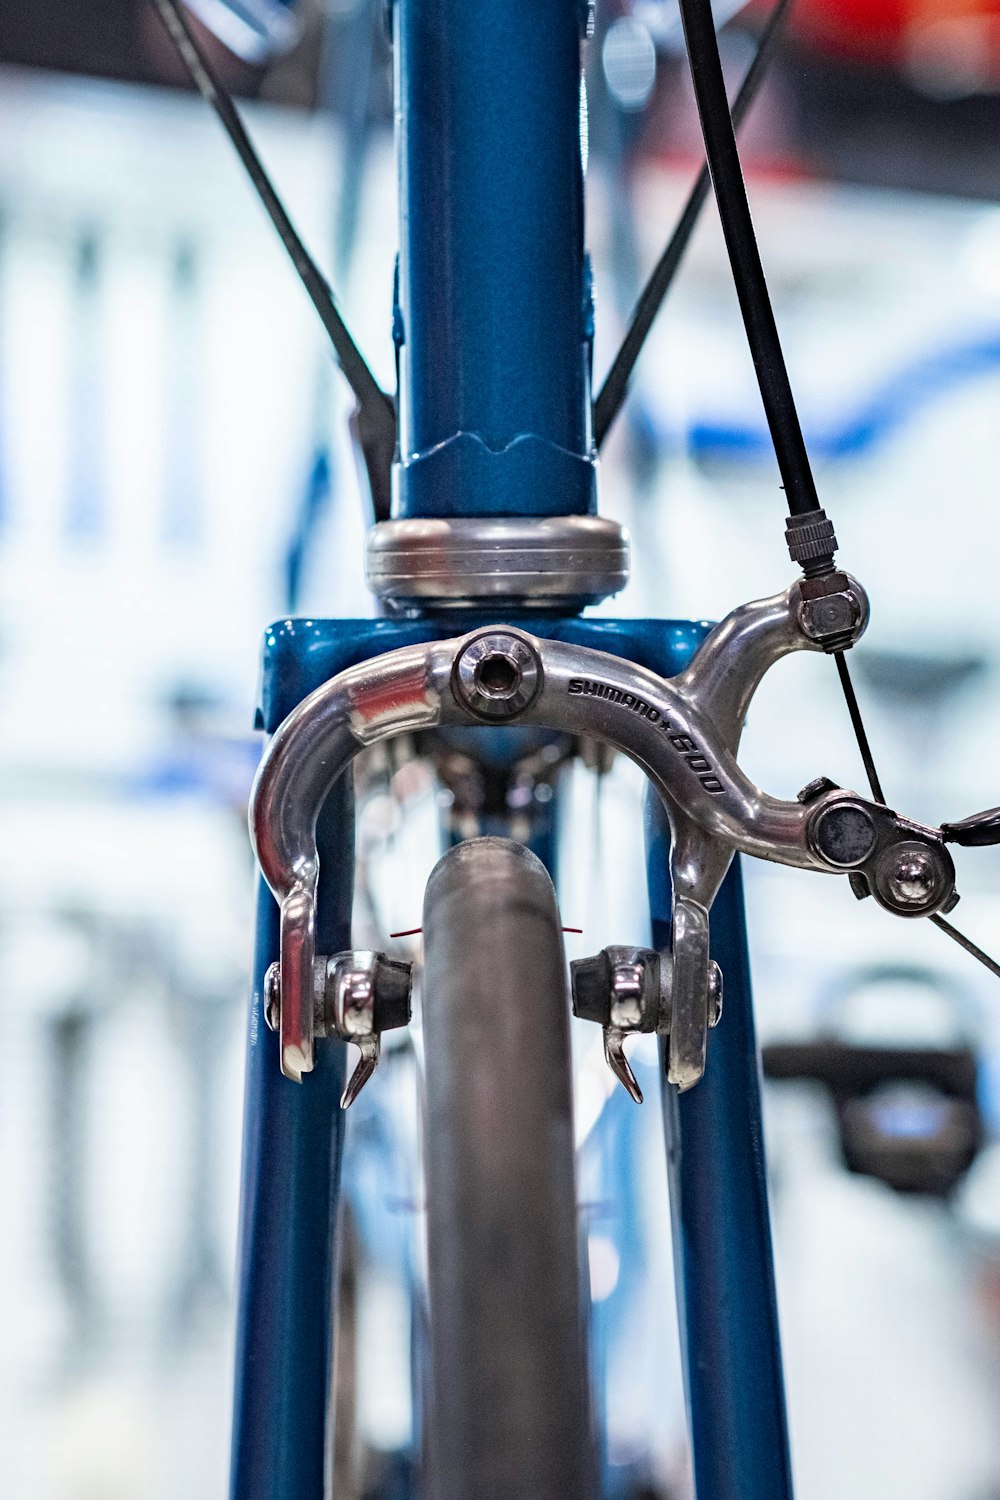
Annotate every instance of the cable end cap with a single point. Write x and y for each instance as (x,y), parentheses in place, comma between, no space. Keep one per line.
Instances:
(811,541)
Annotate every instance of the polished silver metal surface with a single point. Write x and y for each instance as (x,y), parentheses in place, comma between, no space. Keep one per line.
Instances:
(690,1009)
(614,1056)
(684,733)
(625,1015)
(354,1016)
(272,996)
(354,999)
(833,611)
(626,995)
(912,877)
(912,880)
(628,990)
(715,993)
(563,561)
(497,674)
(356,996)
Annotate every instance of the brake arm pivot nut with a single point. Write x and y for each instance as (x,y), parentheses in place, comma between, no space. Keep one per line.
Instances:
(833,610)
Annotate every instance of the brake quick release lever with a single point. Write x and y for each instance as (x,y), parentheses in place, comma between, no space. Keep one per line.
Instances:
(683,731)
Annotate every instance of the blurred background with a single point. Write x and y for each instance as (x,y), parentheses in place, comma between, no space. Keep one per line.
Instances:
(175,472)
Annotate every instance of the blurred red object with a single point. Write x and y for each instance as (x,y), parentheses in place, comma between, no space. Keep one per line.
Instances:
(947,47)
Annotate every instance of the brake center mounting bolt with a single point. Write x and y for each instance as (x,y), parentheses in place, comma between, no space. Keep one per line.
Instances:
(497,675)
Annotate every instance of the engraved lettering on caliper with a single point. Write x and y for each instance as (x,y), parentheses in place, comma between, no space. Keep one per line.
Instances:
(688,748)
(595,689)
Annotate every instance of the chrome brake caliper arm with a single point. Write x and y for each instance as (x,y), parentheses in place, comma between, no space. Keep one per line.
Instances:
(684,732)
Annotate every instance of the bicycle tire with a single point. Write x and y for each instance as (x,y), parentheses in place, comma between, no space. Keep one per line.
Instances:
(508,1410)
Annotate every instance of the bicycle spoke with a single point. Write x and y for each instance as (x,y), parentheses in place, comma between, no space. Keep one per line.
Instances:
(612,394)
(372,400)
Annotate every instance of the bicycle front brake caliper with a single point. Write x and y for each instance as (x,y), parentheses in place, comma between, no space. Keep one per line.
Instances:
(684,731)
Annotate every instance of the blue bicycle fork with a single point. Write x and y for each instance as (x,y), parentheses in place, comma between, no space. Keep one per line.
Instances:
(493,329)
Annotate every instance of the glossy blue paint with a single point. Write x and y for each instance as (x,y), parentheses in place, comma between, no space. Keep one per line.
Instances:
(493,322)
(723,1262)
(292,1143)
(300,655)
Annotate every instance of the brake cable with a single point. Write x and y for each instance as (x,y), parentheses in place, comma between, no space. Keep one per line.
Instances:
(809,533)
(611,396)
(860,733)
